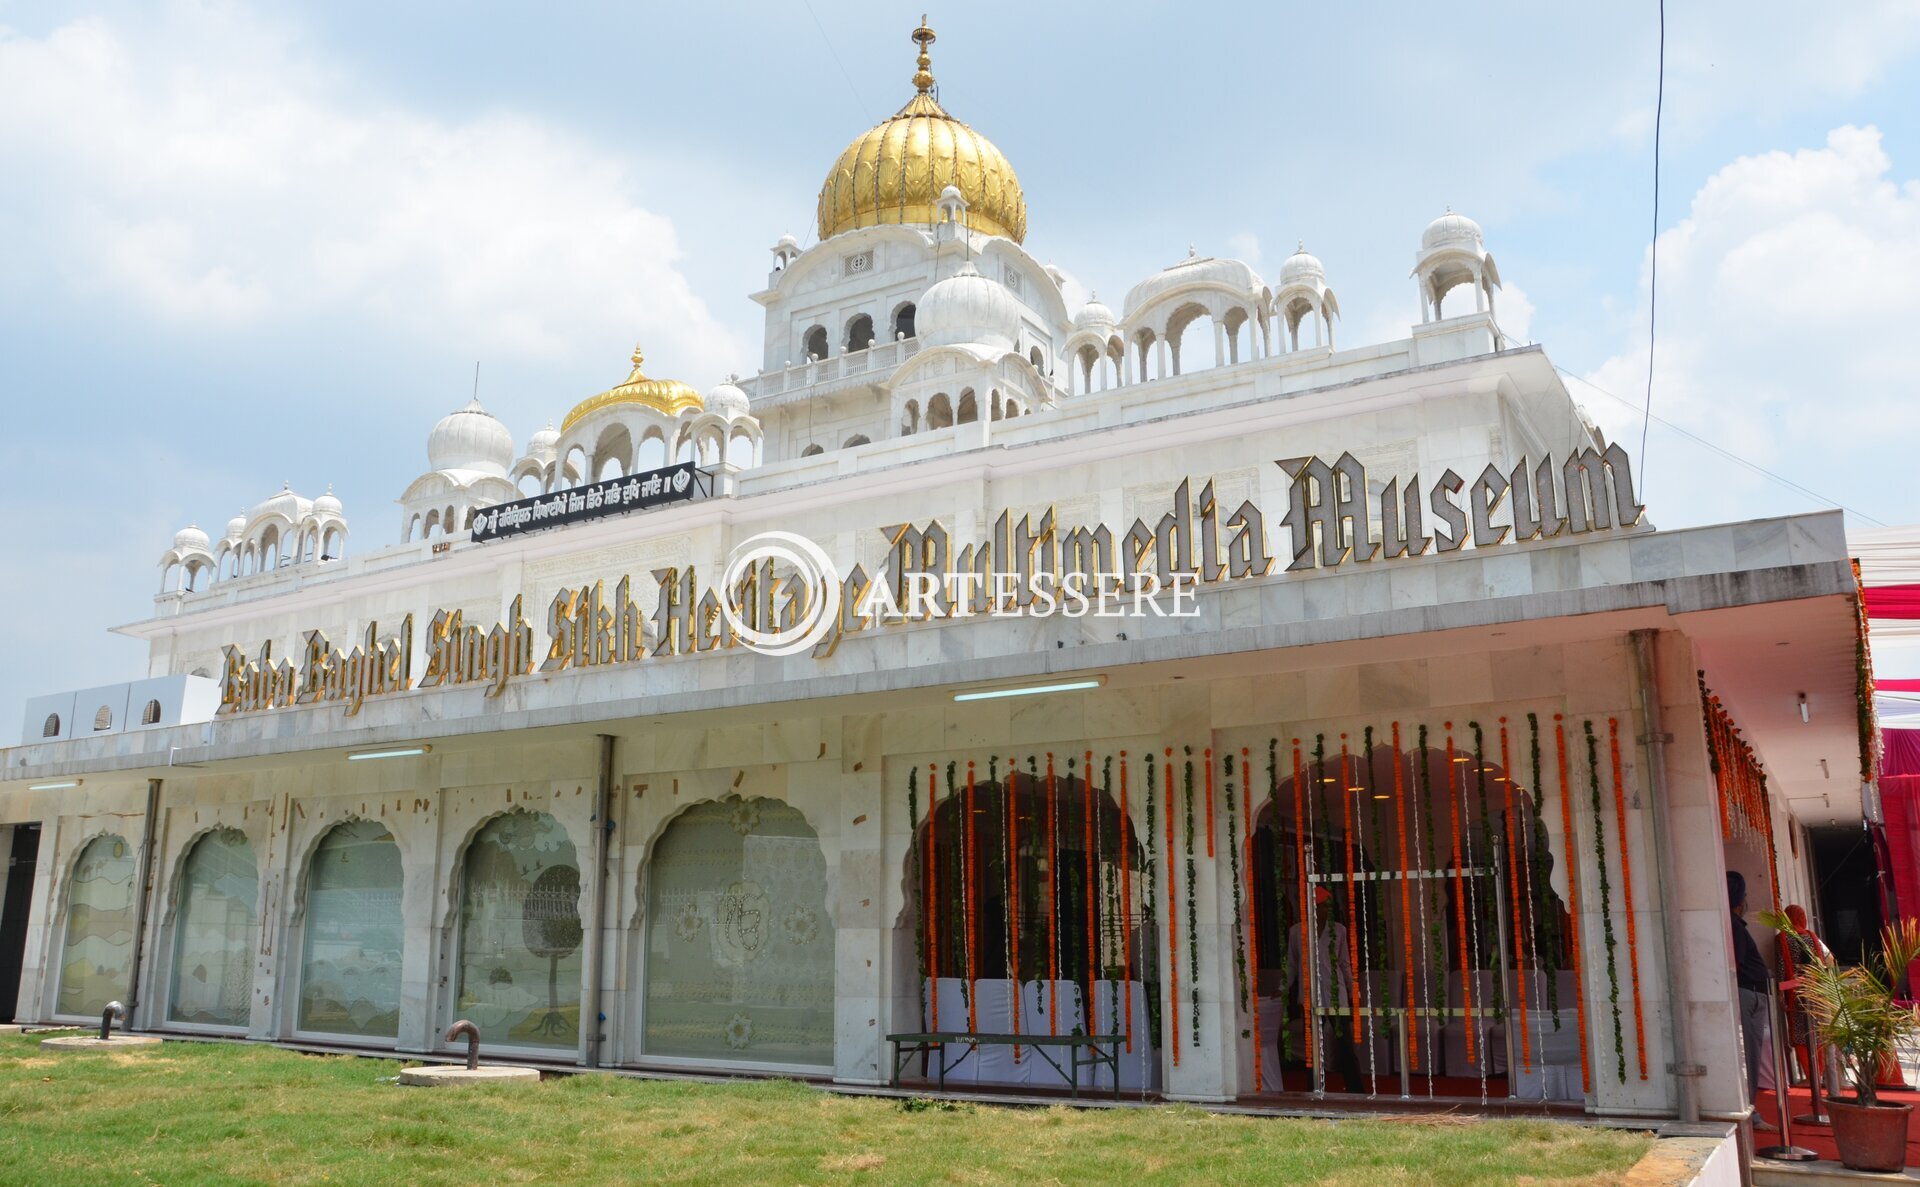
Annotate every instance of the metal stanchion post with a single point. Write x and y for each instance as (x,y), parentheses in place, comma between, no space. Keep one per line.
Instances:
(1786,1151)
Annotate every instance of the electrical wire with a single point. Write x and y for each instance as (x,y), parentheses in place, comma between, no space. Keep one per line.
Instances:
(1653,267)
(1723,452)
(835,55)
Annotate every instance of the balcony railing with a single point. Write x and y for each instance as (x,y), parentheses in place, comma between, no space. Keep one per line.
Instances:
(821,377)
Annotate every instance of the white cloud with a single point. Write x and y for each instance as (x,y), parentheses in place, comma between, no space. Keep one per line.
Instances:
(209,175)
(1787,301)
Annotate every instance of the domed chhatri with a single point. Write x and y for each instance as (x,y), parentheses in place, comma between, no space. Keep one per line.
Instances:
(894,172)
(669,397)
(1450,228)
(470,439)
(967,307)
(727,399)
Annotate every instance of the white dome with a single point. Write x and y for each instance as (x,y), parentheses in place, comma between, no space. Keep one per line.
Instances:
(190,539)
(1451,229)
(237,527)
(1094,315)
(788,242)
(967,307)
(327,504)
(286,504)
(545,444)
(470,439)
(1232,275)
(1302,268)
(727,400)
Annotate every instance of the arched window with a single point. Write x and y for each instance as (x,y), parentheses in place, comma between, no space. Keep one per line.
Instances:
(969,410)
(103,719)
(1038,360)
(940,411)
(52,728)
(151,714)
(353,934)
(993,405)
(520,933)
(903,321)
(814,344)
(812,451)
(857,439)
(910,418)
(740,945)
(98,948)
(859,333)
(213,932)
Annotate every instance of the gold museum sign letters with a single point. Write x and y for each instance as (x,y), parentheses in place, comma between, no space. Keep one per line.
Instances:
(1027,567)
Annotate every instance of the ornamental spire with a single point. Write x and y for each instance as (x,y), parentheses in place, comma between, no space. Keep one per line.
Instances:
(923,77)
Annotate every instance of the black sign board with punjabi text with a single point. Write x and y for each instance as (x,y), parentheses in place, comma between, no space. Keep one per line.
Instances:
(644,491)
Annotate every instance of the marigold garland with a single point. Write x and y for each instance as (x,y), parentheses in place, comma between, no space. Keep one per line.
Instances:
(1253,922)
(1126,900)
(1514,860)
(1053,901)
(1430,910)
(932,865)
(1573,898)
(1193,896)
(1626,887)
(1454,792)
(1606,901)
(1010,863)
(1353,928)
(1090,860)
(1173,925)
(1543,877)
(1279,891)
(1406,900)
(1486,913)
(1304,912)
(1233,859)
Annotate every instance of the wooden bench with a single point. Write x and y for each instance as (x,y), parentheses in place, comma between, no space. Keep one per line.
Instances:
(1081,1051)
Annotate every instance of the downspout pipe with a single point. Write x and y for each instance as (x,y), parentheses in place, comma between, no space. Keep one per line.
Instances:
(602,854)
(143,887)
(1685,1071)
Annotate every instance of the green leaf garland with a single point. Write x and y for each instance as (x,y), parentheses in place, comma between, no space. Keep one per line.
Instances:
(1606,902)
(1193,909)
(1233,857)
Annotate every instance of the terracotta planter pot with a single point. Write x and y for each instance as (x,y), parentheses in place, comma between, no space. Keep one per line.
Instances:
(1870,1139)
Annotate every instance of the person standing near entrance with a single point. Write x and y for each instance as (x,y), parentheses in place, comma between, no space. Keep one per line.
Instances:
(1753,977)
(1332,988)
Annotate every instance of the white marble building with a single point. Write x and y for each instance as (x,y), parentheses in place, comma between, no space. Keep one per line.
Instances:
(687,853)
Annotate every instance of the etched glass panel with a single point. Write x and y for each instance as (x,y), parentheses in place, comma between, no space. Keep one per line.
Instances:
(99,942)
(739,943)
(350,971)
(520,933)
(213,932)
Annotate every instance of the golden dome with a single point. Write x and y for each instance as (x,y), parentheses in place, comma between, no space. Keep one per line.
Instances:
(669,397)
(895,172)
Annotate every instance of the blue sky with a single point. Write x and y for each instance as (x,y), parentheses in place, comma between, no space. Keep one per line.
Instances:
(241,246)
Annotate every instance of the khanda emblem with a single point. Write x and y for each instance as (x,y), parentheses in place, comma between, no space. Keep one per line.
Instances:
(743,923)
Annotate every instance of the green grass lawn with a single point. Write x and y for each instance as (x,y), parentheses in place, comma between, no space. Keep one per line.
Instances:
(187,1113)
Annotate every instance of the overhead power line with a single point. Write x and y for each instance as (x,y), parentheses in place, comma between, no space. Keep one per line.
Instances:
(1653,268)
(1723,452)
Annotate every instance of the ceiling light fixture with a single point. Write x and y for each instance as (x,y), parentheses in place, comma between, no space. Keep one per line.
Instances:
(61,785)
(1028,690)
(1806,715)
(391,752)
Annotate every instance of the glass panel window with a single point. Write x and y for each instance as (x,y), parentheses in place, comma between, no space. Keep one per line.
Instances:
(350,971)
(520,933)
(213,932)
(99,942)
(739,944)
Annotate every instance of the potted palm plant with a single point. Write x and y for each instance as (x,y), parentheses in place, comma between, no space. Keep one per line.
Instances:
(1855,1011)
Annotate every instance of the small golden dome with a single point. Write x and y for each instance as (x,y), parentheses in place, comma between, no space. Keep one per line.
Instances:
(894,173)
(669,397)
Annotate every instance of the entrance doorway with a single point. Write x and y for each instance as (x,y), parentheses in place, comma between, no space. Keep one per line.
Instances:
(23,854)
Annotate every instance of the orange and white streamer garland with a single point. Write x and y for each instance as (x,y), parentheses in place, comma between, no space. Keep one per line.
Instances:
(933,894)
(1353,929)
(1306,908)
(1053,902)
(1626,886)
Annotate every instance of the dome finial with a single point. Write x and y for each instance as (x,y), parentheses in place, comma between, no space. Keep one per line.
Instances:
(923,77)
(639,357)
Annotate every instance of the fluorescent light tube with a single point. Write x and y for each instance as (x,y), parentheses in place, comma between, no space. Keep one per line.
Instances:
(395,752)
(1027,690)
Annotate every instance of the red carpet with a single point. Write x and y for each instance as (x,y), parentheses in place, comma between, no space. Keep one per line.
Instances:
(1819,1138)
